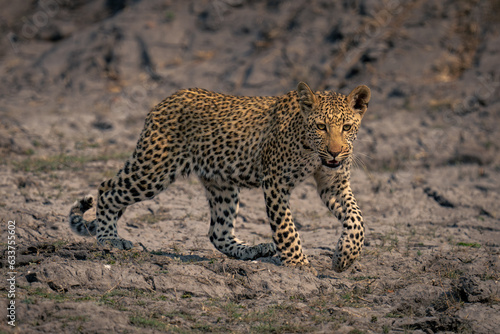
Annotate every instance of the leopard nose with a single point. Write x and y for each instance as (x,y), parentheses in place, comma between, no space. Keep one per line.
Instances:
(334,154)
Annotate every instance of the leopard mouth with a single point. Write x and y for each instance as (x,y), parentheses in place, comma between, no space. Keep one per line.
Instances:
(334,164)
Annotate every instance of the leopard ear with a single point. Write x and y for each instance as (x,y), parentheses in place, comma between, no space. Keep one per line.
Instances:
(307,99)
(358,99)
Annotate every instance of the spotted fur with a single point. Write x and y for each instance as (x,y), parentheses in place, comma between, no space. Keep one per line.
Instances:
(231,142)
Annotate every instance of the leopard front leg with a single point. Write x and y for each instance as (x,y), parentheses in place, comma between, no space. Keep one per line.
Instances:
(351,241)
(224,204)
(285,233)
(336,193)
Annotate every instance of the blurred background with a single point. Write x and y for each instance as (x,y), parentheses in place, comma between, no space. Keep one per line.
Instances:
(90,70)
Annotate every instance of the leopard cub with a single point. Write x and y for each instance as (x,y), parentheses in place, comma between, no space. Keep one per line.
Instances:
(231,142)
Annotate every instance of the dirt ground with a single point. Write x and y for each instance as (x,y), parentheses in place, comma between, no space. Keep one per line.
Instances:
(78,77)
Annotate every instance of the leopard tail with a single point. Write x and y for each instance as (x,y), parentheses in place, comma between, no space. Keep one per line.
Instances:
(79,225)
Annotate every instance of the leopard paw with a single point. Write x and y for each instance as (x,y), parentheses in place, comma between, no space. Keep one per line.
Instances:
(266,250)
(116,243)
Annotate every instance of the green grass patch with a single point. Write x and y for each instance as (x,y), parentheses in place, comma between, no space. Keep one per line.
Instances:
(179,314)
(114,299)
(469,244)
(205,328)
(273,320)
(147,323)
(41,293)
(281,328)
(452,274)
(28,300)
(186,295)
(233,310)
(394,315)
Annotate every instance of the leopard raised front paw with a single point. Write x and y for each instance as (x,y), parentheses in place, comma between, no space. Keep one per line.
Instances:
(341,263)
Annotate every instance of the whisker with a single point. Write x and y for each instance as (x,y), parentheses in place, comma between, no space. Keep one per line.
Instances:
(364,155)
(360,163)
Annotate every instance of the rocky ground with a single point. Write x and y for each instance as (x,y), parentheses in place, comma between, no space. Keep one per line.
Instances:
(78,77)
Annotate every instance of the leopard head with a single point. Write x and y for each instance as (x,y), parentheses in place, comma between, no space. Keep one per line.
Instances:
(332,121)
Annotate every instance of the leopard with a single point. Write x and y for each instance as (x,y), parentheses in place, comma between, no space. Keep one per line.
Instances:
(234,142)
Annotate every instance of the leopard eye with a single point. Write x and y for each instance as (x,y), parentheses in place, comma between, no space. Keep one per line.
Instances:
(321,126)
(346,127)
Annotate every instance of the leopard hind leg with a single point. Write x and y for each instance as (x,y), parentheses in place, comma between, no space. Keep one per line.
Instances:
(224,204)
(135,182)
